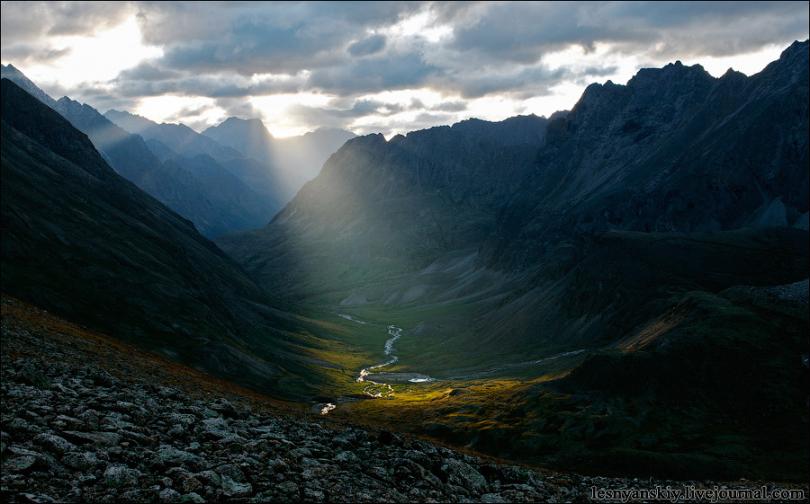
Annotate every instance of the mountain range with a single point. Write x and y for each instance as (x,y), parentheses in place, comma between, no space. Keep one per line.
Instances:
(645,225)
(621,287)
(215,186)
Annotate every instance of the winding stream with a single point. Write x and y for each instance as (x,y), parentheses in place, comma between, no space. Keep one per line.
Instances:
(375,387)
(376,381)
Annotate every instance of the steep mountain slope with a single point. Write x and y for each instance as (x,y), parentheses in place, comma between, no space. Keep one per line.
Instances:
(674,150)
(482,232)
(217,199)
(295,160)
(15,75)
(104,253)
(127,154)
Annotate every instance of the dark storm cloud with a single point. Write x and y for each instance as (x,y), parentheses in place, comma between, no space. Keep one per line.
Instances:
(148,72)
(328,38)
(211,85)
(523,32)
(26,21)
(369,45)
(261,37)
(231,51)
(392,70)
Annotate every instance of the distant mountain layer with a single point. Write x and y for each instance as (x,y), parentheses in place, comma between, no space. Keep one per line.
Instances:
(177,137)
(275,168)
(195,186)
(82,241)
(296,159)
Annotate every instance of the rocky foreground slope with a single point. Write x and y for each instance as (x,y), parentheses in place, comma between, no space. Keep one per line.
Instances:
(87,418)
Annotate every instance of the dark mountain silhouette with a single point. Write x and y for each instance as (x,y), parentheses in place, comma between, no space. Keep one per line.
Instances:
(175,141)
(104,253)
(14,74)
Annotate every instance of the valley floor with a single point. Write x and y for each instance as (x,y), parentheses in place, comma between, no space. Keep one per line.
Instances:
(88,418)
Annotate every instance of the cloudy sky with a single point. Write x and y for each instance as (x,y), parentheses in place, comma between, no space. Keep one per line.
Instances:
(373,67)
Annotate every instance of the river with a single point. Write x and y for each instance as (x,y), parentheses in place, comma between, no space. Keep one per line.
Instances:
(376,385)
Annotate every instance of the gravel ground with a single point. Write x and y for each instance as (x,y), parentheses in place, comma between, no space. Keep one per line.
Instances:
(85,420)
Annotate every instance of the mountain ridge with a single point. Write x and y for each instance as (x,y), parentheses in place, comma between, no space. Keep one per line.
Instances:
(381,212)
(107,254)
(216,205)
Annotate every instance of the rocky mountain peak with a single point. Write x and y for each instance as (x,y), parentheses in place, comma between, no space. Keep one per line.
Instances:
(671,75)
(367,141)
(252,126)
(792,65)
(15,75)
(798,49)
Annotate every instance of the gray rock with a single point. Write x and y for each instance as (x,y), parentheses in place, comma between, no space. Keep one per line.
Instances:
(119,475)
(232,471)
(193,498)
(95,438)
(170,456)
(347,457)
(21,464)
(169,495)
(224,408)
(210,478)
(37,498)
(313,495)
(288,489)
(231,488)
(216,428)
(190,484)
(462,474)
(54,443)
(80,460)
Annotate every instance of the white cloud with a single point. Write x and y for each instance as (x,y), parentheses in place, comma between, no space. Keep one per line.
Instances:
(275,111)
(95,57)
(374,66)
